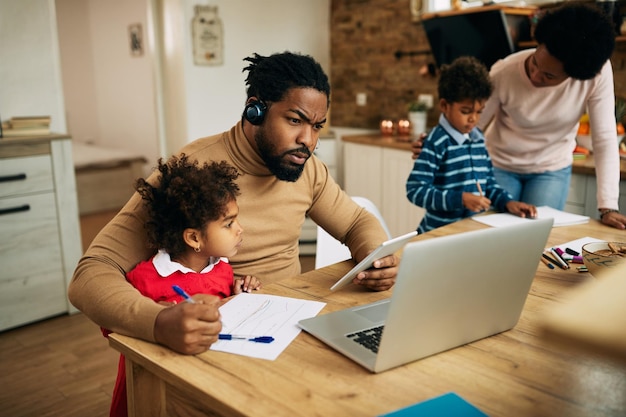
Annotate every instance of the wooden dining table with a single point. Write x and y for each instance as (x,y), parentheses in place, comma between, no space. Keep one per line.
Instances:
(520,372)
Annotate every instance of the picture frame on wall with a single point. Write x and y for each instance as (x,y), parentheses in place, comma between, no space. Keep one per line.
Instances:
(207,35)
(135,37)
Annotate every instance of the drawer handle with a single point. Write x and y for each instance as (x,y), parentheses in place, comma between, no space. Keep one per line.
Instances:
(16,177)
(18,209)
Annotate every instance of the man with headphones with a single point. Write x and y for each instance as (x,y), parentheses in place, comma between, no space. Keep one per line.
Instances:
(288,96)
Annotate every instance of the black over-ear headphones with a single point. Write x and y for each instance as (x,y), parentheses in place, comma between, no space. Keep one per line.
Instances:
(255,112)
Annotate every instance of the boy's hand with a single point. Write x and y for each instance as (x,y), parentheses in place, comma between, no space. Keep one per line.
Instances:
(475,203)
(246,284)
(521,209)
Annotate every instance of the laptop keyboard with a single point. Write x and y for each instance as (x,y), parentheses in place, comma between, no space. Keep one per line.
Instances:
(369,338)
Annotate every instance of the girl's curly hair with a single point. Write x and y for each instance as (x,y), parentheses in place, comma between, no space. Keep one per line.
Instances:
(188,195)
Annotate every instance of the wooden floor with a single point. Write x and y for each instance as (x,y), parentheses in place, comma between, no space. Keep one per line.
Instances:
(62,366)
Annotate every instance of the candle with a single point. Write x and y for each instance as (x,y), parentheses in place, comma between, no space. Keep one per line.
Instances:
(386,127)
(404,127)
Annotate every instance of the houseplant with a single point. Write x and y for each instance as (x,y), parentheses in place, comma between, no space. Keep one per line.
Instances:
(418,114)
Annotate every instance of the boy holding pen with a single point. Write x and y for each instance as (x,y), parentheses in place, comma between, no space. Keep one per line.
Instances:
(453,177)
(192,221)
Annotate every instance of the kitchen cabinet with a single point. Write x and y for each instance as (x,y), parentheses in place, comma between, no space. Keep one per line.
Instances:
(377,167)
(379,174)
(41,242)
(581,198)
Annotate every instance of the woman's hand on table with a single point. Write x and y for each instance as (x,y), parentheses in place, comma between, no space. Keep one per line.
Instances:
(381,276)
(189,328)
(614,219)
(416,146)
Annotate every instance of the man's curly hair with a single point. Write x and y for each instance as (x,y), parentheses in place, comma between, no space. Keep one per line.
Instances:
(465,78)
(188,195)
(580,36)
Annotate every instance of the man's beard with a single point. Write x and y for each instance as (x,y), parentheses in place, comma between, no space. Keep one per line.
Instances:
(282,169)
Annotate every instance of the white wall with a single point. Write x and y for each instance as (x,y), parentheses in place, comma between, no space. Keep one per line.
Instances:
(30,79)
(110,93)
(112,96)
(78,72)
(216,95)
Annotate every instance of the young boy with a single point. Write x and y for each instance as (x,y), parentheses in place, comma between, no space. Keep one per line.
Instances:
(453,177)
(193,224)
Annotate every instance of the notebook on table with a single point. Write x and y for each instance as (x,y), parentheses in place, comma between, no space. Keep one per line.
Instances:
(450,291)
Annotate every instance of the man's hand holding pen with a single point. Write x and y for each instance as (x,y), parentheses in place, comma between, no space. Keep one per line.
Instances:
(189,328)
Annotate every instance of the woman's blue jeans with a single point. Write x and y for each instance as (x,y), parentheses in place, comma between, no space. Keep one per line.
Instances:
(548,188)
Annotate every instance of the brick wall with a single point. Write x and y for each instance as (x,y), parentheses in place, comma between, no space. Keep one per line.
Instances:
(365,36)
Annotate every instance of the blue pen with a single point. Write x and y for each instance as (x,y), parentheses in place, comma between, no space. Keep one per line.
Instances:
(183,294)
(257,339)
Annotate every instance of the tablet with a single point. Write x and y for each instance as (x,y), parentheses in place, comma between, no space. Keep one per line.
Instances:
(386,248)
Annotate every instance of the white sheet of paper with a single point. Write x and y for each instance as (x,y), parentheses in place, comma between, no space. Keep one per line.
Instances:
(578,244)
(561,218)
(263,315)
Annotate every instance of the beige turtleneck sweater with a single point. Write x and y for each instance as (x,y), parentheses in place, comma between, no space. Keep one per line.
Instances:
(270,211)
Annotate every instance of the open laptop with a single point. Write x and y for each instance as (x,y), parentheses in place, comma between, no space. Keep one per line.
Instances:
(450,291)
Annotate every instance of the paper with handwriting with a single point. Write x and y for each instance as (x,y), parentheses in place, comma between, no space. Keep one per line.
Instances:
(255,315)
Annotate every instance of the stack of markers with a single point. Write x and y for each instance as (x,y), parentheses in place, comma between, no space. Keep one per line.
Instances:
(562,259)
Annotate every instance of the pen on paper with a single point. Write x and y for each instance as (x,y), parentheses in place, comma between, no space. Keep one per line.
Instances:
(257,339)
(183,294)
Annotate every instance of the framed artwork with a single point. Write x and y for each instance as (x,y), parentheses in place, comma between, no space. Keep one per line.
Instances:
(135,37)
(207,35)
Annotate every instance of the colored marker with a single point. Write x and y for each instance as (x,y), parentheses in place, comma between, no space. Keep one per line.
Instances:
(571,252)
(183,294)
(577,260)
(561,254)
(559,260)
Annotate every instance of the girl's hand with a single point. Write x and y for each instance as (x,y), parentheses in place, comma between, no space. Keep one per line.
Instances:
(246,284)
